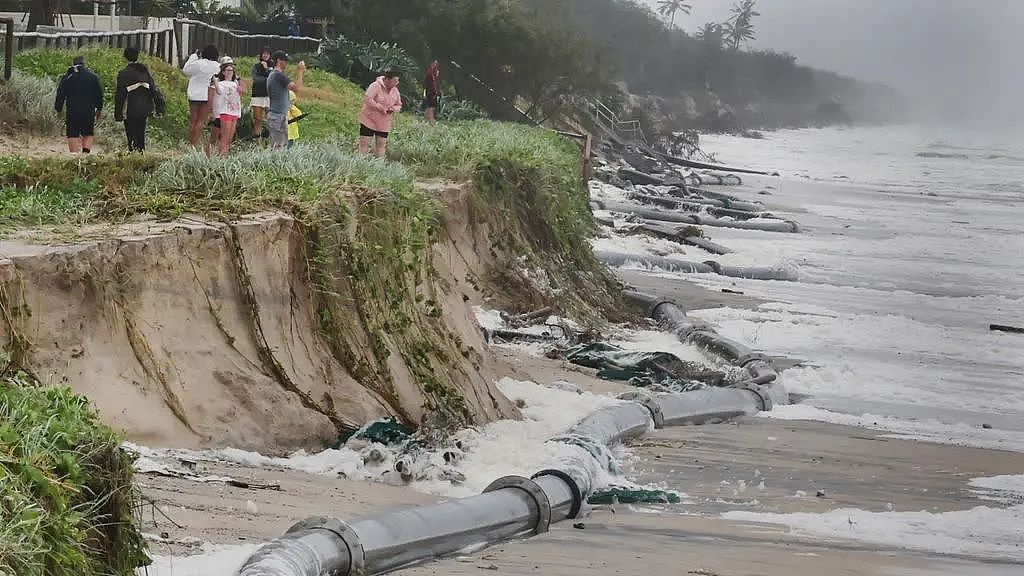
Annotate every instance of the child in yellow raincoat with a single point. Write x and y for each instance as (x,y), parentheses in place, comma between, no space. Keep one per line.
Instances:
(294,115)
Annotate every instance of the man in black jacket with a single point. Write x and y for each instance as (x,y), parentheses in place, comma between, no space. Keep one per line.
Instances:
(136,99)
(81,93)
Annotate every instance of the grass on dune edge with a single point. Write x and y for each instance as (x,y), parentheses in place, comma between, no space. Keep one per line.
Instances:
(68,504)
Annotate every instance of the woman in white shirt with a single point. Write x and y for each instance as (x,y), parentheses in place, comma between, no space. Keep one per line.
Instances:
(200,67)
(226,95)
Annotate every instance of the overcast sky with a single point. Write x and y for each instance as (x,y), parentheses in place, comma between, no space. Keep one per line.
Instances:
(959,59)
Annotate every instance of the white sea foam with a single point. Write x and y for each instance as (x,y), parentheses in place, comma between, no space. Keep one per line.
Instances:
(212,561)
(986,532)
(983,531)
(498,449)
(927,430)
(903,264)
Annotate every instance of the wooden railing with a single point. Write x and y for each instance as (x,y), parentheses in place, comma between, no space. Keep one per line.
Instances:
(159,43)
(628,129)
(172,45)
(192,35)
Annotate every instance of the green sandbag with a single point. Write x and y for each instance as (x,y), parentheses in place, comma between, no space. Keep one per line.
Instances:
(620,495)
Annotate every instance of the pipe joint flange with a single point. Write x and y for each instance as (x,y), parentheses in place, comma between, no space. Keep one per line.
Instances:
(714,266)
(356,555)
(742,361)
(535,491)
(577,494)
(652,311)
(649,402)
(765,399)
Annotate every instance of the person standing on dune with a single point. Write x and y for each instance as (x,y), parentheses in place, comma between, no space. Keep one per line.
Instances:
(200,68)
(136,99)
(81,93)
(279,87)
(432,92)
(381,104)
(260,101)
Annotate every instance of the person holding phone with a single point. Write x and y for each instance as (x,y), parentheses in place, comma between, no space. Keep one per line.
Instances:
(200,67)
(226,95)
(260,101)
(381,104)
(279,87)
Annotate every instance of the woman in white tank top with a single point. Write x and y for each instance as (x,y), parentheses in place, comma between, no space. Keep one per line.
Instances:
(226,94)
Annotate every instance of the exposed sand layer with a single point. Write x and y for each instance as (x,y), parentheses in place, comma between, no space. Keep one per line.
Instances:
(196,333)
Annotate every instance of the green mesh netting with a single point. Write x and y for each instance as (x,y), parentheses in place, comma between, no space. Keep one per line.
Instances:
(621,495)
(644,369)
(387,431)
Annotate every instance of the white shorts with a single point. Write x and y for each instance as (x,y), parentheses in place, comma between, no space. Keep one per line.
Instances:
(260,102)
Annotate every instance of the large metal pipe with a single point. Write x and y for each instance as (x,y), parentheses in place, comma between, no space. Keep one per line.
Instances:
(785,226)
(713,207)
(685,267)
(704,166)
(512,506)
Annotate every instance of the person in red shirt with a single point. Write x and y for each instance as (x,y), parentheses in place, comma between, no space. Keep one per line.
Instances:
(432,92)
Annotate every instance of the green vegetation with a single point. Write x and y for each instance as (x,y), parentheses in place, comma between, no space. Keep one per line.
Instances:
(67,500)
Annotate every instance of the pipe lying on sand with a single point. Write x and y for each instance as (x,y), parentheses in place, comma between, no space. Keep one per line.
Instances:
(684,267)
(665,231)
(704,166)
(761,374)
(697,206)
(786,226)
(513,506)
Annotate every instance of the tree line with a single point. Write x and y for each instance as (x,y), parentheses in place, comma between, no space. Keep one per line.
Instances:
(543,55)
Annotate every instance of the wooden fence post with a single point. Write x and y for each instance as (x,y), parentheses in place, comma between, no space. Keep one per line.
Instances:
(8,46)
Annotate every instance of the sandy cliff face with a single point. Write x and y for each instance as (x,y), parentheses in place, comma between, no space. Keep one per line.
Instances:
(196,334)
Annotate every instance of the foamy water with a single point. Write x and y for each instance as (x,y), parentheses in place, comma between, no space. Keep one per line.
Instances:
(912,245)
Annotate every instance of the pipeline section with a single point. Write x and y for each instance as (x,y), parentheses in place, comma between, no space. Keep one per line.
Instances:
(786,226)
(684,267)
(513,506)
(703,166)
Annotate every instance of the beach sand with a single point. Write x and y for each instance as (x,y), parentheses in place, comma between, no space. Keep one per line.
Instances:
(855,468)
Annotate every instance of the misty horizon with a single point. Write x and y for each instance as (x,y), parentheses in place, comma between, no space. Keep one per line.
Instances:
(954,61)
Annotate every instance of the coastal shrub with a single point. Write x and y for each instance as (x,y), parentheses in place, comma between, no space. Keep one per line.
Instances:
(27,104)
(67,501)
(530,193)
(455,109)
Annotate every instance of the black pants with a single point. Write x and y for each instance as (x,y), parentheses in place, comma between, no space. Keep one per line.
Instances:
(135,129)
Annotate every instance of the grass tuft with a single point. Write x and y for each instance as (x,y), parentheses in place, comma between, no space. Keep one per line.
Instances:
(68,499)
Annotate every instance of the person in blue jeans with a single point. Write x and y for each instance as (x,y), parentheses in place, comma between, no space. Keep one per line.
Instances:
(278,85)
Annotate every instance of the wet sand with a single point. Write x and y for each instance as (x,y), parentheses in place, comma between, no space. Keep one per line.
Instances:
(854,468)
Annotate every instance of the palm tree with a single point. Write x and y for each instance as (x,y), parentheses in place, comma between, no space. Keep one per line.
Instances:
(740,27)
(712,33)
(669,9)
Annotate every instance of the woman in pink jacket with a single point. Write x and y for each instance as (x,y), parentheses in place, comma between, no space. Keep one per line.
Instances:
(380,105)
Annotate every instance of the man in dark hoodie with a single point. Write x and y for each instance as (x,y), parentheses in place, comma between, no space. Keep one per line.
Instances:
(81,93)
(136,99)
